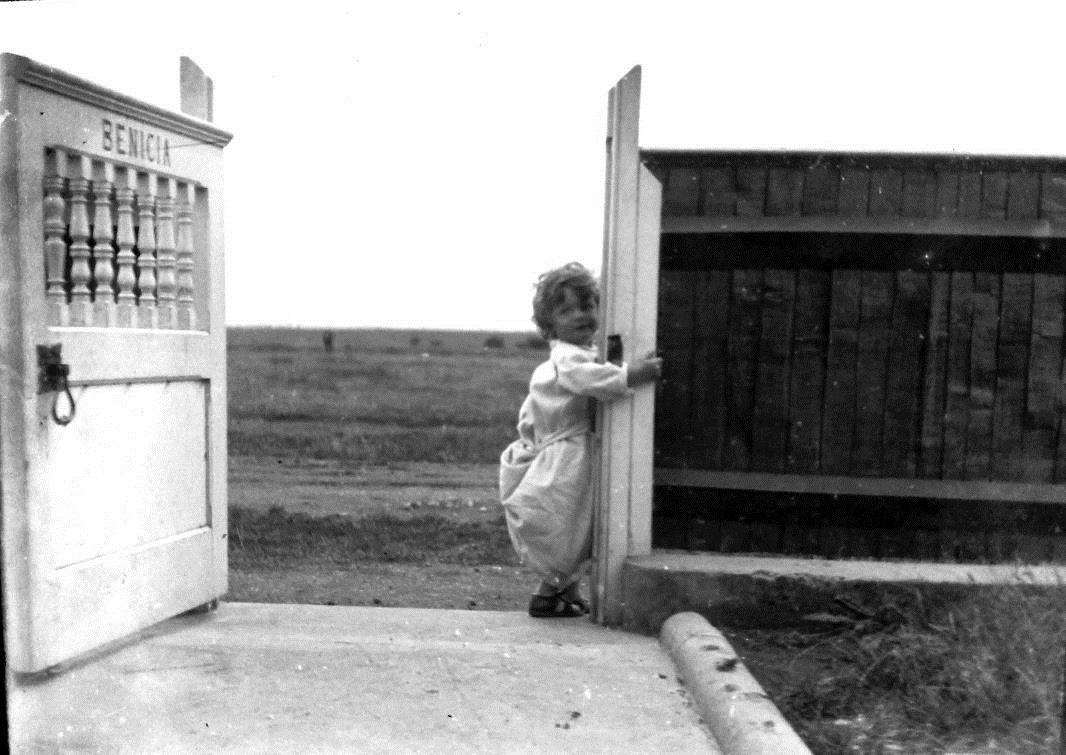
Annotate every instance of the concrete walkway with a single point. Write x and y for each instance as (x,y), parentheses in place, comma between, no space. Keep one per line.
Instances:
(284,678)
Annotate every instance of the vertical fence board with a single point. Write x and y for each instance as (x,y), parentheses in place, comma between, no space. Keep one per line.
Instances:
(672,431)
(1053,197)
(910,318)
(933,393)
(745,318)
(784,191)
(820,190)
(751,191)
(719,191)
(982,375)
(956,405)
(770,428)
(919,194)
(853,197)
(947,191)
(969,193)
(710,334)
(1012,358)
(1043,387)
(886,189)
(681,195)
(875,327)
(994,194)
(838,417)
(809,343)
(1023,195)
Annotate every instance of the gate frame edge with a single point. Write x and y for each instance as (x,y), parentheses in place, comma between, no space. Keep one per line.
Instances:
(622,476)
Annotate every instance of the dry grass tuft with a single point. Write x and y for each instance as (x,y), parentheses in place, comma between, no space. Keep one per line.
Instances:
(982,673)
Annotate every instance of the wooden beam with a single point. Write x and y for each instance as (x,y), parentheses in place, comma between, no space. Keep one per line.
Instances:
(867,486)
(854,224)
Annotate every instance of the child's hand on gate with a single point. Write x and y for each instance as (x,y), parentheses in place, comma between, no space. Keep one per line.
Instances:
(645,370)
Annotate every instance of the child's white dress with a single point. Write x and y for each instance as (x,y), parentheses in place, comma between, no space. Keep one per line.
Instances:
(545,474)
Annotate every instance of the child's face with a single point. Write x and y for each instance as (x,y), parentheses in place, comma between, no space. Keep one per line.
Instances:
(573,322)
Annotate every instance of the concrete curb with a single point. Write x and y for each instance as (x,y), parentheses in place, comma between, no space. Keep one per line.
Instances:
(733,704)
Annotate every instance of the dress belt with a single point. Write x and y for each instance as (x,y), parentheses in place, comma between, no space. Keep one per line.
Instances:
(559,435)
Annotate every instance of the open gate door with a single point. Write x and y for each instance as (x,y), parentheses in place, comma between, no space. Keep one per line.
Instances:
(630,285)
(111,246)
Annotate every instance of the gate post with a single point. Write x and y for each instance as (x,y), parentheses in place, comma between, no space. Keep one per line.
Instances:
(629,281)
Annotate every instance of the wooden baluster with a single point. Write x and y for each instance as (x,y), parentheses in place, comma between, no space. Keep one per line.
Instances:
(167,283)
(103,251)
(55,244)
(126,279)
(186,284)
(146,263)
(81,308)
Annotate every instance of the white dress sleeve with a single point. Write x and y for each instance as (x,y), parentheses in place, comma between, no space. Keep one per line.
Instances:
(580,373)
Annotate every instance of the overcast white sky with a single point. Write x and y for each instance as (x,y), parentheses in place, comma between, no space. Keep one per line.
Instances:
(418,164)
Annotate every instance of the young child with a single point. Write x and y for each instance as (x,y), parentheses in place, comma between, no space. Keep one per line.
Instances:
(545,475)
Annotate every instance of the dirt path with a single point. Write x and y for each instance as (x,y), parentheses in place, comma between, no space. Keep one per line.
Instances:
(321,487)
(458,492)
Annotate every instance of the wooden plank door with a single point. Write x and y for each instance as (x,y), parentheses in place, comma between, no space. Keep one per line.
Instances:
(629,280)
(112,249)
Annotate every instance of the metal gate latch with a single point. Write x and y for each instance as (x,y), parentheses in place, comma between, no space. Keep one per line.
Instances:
(52,376)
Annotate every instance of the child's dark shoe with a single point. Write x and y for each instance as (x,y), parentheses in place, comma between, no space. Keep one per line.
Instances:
(554,607)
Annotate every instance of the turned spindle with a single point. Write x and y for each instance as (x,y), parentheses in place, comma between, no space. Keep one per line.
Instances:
(81,310)
(146,262)
(55,244)
(185,283)
(166,275)
(126,278)
(103,249)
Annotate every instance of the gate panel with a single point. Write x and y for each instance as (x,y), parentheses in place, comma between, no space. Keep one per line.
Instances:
(156,440)
(111,227)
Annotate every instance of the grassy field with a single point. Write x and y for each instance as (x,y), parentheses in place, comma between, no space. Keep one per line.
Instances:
(367,477)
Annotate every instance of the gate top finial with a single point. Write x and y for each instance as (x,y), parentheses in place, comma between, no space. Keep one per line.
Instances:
(197,91)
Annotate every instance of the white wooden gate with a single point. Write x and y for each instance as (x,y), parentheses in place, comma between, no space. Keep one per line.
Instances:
(111,247)
(630,289)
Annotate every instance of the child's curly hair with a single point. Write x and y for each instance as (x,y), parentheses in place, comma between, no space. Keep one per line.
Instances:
(550,286)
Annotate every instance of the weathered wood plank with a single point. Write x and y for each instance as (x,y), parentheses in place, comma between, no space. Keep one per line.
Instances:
(1044,387)
(994,194)
(770,430)
(1053,197)
(751,191)
(886,192)
(820,190)
(1023,195)
(853,197)
(745,319)
(710,338)
(910,491)
(681,194)
(674,339)
(875,330)
(947,192)
(809,343)
(969,205)
(919,194)
(934,391)
(982,375)
(910,318)
(956,400)
(719,192)
(784,191)
(1012,360)
(838,416)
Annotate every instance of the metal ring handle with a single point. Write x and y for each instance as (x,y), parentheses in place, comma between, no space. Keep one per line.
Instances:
(63,421)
